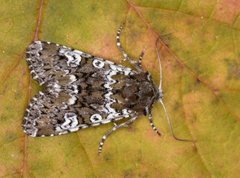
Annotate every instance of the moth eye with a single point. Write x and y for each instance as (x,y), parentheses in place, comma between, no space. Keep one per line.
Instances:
(149,77)
(95,118)
(145,112)
(98,64)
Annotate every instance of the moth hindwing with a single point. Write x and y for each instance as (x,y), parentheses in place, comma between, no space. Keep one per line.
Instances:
(81,90)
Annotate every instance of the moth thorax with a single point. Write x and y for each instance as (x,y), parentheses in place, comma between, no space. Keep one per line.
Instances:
(139,93)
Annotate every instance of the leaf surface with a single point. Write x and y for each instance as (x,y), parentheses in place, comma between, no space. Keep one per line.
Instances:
(200,55)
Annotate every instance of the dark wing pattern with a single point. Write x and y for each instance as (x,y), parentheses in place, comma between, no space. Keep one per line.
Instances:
(80,90)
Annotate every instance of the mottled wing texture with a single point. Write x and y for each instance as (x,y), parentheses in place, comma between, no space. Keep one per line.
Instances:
(80,90)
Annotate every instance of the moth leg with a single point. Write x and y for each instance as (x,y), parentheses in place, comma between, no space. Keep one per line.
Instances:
(125,124)
(140,58)
(155,129)
(115,124)
(135,63)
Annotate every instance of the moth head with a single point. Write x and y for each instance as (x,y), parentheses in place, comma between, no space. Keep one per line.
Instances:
(158,90)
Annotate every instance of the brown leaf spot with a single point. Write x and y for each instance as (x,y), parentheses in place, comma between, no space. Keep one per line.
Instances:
(227,10)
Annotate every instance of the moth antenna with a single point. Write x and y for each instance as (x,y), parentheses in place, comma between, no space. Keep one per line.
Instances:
(161,96)
(160,67)
(170,125)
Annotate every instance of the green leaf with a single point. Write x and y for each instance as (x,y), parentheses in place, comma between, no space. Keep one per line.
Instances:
(201,69)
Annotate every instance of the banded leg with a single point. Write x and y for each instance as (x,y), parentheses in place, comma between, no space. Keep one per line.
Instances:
(136,63)
(140,58)
(125,124)
(125,55)
(152,124)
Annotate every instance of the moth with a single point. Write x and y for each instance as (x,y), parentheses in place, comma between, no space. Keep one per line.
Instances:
(82,90)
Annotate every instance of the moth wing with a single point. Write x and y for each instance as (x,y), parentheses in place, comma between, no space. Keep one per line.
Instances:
(48,61)
(78,90)
(48,115)
(45,116)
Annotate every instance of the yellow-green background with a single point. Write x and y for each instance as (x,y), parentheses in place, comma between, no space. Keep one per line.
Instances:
(201,66)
